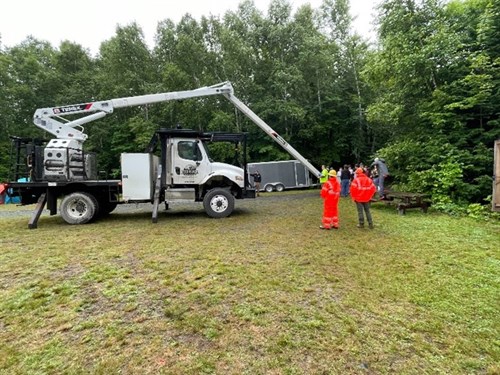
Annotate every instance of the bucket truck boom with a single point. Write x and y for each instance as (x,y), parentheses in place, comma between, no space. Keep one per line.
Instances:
(182,170)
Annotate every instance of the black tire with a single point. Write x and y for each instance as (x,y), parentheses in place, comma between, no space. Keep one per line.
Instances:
(269,188)
(79,208)
(280,188)
(218,203)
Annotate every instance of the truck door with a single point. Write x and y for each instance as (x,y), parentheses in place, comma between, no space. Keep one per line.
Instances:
(189,161)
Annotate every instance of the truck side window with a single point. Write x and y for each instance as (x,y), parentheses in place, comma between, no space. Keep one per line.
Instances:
(189,150)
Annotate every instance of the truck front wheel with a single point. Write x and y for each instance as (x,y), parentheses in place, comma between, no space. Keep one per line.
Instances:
(79,208)
(218,203)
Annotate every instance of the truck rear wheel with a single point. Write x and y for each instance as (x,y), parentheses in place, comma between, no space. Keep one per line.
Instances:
(79,208)
(218,203)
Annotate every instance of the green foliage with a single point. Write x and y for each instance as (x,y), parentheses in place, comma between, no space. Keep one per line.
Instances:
(442,181)
(221,121)
(437,77)
(440,169)
(225,153)
(4,161)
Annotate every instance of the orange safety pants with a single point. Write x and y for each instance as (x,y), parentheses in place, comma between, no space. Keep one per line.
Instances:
(331,213)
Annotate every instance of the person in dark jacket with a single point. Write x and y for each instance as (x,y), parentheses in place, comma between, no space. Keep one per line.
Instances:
(383,173)
(257,179)
(345,180)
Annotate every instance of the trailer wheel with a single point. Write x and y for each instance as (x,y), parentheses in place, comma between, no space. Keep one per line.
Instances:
(218,203)
(79,208)
(269,188)
(280,188)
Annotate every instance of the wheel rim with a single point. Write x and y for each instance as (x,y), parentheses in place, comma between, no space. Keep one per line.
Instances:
(77,208)
(219,203)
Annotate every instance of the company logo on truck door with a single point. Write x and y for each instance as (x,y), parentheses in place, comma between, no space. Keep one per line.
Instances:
(72,108)
(189,170)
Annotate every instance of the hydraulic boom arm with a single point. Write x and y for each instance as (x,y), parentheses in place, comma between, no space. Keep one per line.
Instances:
(53,119)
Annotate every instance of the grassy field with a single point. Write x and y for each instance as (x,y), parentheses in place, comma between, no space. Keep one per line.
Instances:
(261,292)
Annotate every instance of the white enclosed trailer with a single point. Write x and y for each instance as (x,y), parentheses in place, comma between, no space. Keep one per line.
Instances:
(282,175)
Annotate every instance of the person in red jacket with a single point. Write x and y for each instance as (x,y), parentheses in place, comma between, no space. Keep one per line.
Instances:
(330,192)
(362,190)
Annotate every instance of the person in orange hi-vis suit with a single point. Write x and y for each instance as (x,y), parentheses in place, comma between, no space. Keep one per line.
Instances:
(330,192)
(362,190)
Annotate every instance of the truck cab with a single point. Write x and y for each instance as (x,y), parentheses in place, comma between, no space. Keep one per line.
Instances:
(190,164)
(184,172)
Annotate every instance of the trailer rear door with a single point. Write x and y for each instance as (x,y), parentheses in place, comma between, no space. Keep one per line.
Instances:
(302,174)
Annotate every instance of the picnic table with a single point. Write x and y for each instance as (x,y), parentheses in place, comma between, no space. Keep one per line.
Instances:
(404,201)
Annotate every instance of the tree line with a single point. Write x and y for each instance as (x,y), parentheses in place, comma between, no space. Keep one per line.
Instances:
(425,95)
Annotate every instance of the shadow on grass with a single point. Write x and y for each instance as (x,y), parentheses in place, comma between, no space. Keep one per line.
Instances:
(176,215)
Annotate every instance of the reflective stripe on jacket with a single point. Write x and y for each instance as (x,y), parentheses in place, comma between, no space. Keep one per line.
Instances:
(362,188)
(331,189)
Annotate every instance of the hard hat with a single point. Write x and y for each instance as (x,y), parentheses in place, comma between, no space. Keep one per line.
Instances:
(332,173)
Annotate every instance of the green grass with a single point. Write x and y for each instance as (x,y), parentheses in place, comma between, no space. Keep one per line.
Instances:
(261,292)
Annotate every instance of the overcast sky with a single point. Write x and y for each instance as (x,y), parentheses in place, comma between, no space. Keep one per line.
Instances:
(91,22)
